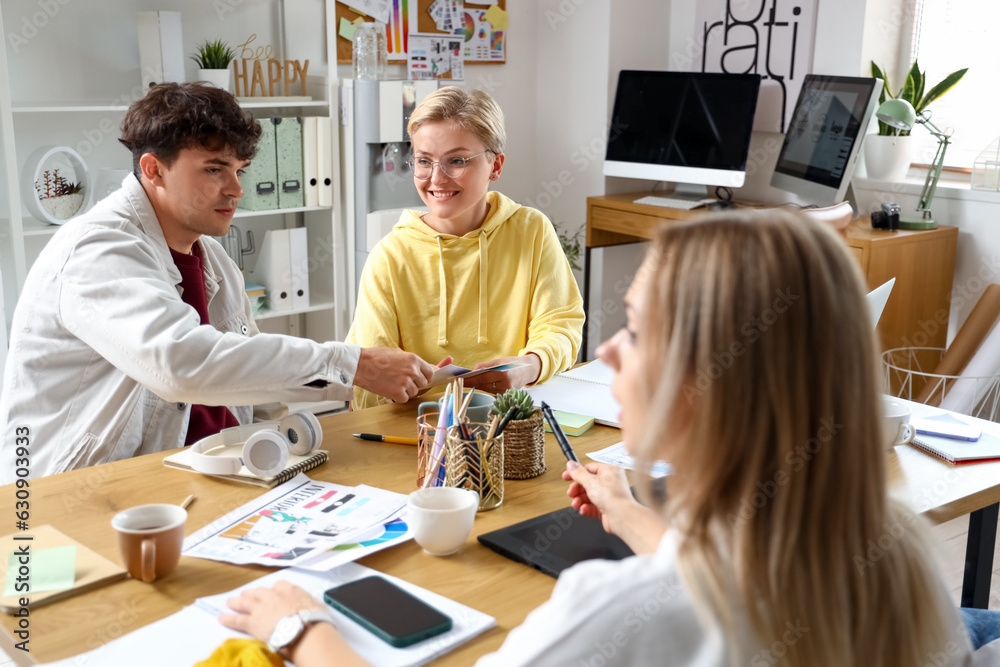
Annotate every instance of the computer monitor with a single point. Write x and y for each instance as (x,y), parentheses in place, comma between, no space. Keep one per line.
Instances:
(824,137)
(684,127)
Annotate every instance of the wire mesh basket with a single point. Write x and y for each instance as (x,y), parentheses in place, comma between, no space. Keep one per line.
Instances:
(908,375)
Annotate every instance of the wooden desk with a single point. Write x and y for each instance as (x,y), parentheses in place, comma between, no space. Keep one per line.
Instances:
(81,504)
(923,264)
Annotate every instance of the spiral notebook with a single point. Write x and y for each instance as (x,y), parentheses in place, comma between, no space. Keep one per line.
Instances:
(296,464)
(958,452)
(584,390)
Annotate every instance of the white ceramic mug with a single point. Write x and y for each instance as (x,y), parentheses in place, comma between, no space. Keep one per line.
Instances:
(150,538)
(442,518)
(896,427)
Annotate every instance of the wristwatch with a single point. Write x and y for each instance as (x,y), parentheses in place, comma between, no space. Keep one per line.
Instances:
(288,629)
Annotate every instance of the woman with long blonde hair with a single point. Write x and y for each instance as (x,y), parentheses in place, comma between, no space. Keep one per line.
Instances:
(749,364)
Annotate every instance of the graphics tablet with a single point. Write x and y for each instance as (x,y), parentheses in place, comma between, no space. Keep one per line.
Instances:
(552,542)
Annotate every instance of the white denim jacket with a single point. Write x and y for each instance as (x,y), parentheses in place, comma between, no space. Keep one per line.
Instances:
(105,357)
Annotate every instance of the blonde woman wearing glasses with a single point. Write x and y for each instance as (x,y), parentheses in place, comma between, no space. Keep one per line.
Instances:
(478,279)
(760,554)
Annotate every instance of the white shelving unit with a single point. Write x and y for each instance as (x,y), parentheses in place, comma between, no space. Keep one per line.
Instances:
(93,60)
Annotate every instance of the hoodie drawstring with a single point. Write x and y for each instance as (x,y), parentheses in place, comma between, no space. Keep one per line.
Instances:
(442,298)
(483,294)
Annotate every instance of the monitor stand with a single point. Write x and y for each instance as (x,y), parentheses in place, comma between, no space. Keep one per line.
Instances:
(690,192)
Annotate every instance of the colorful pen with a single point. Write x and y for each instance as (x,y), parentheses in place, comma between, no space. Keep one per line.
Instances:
(558,432)
(386,438)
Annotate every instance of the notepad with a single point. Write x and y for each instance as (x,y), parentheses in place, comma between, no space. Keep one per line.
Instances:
(584,390)
(571,423)
(90,569)
(296,464)
(987,448)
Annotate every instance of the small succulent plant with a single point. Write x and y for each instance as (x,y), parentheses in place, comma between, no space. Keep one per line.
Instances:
(214,55)
(55,185)
(514,398)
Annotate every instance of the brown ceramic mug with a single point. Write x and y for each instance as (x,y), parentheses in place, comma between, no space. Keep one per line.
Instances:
(150,538)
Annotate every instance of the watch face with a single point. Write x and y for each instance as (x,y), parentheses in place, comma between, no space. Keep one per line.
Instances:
(285,631)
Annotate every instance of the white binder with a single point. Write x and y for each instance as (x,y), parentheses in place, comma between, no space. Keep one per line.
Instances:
(310,160)
(299,264)
(273,269)
(324,143)
(161,51)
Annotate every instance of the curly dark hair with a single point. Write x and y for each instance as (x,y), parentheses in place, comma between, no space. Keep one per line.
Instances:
(172,116)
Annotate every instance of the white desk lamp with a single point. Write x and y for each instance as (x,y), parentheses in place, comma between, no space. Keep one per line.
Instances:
(901,115)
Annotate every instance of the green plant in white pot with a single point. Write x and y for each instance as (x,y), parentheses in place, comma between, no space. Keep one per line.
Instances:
(887,154)
(213,60)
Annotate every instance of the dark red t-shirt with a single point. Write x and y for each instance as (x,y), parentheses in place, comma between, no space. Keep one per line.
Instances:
(205,420)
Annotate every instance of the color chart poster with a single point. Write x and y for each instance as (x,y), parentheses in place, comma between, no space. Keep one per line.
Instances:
(772,38)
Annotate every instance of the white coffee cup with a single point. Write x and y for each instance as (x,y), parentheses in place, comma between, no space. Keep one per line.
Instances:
(896,427)
(442,518)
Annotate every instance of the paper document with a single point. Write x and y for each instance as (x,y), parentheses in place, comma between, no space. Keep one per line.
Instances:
(202,633)
(616,455)
(451,371)
(584,390)
(302,521)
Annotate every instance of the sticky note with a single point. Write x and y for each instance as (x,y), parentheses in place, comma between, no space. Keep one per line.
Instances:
(497,17)
(49,570)
(346,29)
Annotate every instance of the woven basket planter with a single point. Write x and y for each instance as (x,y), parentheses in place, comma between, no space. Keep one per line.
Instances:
(524,447)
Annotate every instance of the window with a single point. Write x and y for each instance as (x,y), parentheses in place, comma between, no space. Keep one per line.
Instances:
(950,35)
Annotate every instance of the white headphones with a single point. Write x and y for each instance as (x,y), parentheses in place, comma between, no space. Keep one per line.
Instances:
(266,446)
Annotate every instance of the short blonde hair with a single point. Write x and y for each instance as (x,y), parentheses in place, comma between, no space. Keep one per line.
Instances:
(474,111)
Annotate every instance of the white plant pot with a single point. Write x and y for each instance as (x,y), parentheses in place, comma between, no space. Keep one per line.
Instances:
(887,158)
(220,78)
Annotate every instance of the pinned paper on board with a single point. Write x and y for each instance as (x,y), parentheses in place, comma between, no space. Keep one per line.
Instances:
(433,56)
(497,17)
(346,29)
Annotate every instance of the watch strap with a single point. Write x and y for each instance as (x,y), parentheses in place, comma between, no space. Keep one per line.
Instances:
(304,618)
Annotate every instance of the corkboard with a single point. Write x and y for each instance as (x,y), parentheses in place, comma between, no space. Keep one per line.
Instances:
(424,24)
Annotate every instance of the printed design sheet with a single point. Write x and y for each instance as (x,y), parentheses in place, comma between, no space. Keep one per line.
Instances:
(304,521)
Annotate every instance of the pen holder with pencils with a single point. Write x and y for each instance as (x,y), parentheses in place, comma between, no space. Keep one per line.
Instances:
(426,435)
(474,461)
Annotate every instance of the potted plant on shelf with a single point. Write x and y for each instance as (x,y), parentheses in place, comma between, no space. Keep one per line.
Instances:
(523,437)
(59,197)
(213,60)
(887,154)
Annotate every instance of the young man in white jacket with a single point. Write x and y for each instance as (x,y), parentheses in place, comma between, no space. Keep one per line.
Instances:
(133,332)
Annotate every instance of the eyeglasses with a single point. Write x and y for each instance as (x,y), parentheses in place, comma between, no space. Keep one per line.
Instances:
(452,166)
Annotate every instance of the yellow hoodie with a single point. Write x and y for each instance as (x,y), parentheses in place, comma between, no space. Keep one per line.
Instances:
(504,289)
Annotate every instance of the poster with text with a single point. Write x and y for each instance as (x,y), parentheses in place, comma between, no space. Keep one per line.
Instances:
(772,38)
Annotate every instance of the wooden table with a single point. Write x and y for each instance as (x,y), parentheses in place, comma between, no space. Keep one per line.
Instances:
(923,263)
(81,504)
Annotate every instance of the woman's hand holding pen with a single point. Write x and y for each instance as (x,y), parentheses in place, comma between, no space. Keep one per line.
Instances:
(498,382)
(601,491)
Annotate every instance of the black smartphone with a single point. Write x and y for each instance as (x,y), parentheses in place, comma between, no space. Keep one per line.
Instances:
(387,610)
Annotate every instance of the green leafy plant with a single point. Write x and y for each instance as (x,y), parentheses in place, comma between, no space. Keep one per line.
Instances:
(913,91)
(514,398)
(214,55)
(570,244)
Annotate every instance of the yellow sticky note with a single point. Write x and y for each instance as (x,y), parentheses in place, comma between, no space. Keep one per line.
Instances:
(497,17)
(360,19)
(346,29)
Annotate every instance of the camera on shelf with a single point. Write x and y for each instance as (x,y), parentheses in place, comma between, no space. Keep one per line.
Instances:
(887,217)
